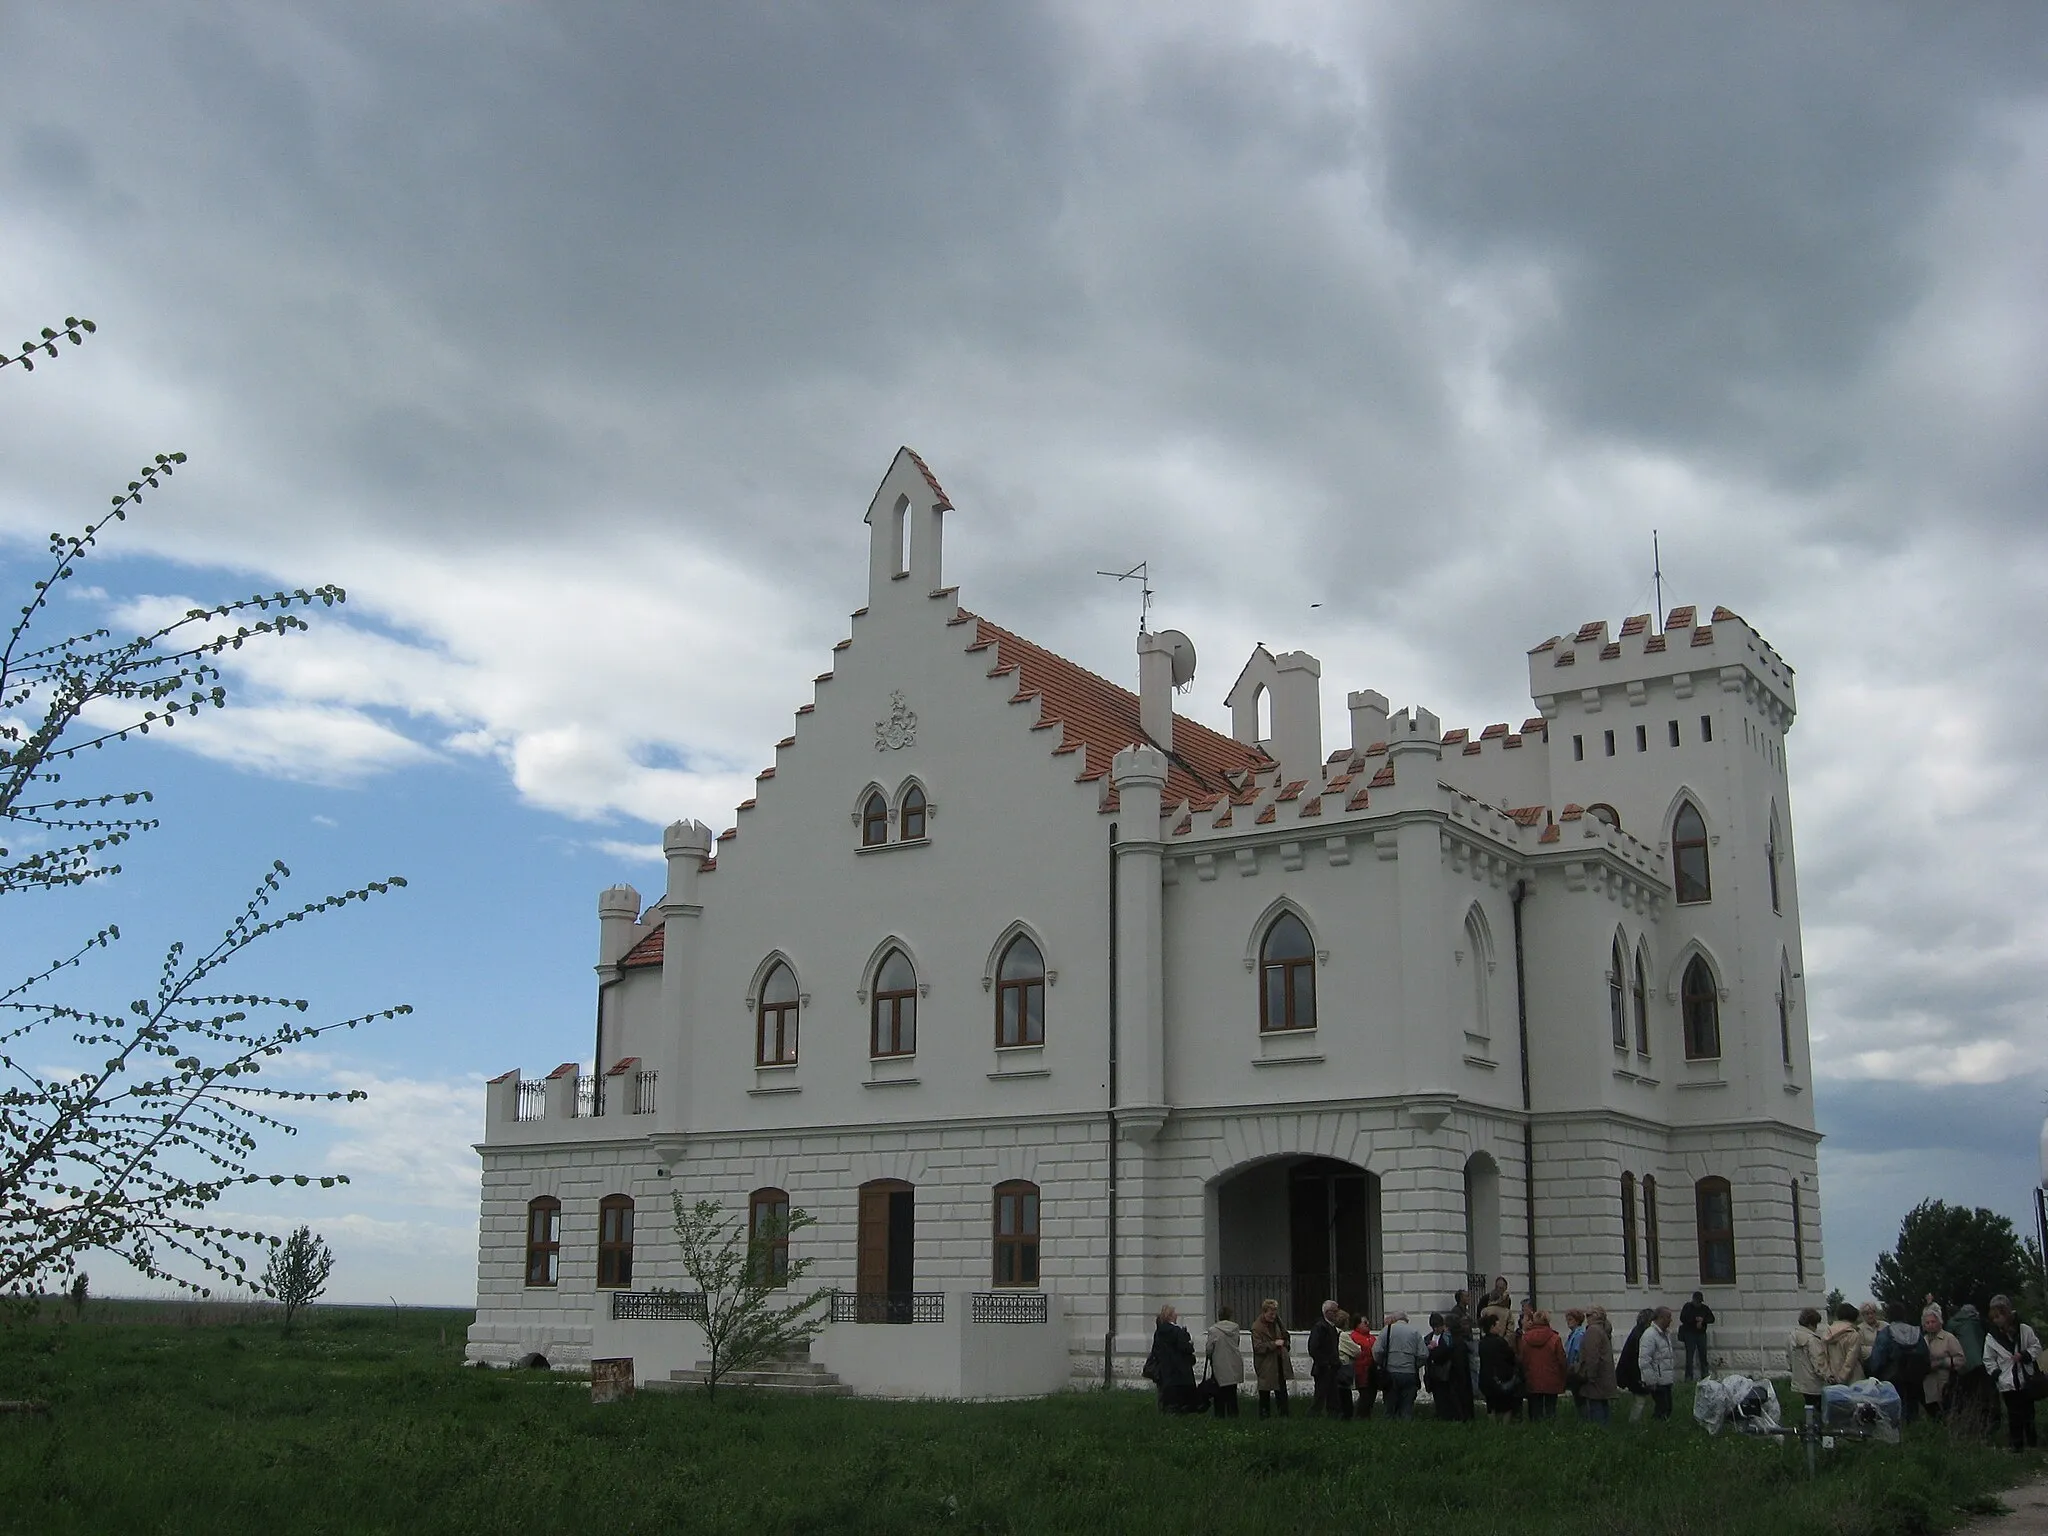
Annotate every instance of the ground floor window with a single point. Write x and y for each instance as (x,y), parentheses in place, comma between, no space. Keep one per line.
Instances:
(543,1240)
(768,1235)
(1016,1236)
(1715,1219)
(615,1242)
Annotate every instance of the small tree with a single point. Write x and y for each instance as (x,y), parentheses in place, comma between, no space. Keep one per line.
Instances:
(1953,1253)
(81,1283)
(748,1316)
(297,1273)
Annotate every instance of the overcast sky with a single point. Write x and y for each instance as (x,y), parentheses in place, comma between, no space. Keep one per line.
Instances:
(573,341)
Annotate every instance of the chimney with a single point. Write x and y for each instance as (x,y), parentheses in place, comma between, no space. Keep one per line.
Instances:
(1368,718)
(1155,690)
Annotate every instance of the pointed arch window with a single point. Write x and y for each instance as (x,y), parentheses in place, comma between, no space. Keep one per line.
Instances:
(776,1019)
(892,1014)
(1020,994)
(615,1242)
(1798,1233)
(1642,1005)
(910,817)
(874,821)
(1700,1001)
(1617,994)
(543,1240)
(1689,855)
(1771,860)
(1653,1263)
(1629,1273)
(1785,1011)
(1016,1234)
(1714,1204)
(768,1235)
(1477,1025)
(1287,976)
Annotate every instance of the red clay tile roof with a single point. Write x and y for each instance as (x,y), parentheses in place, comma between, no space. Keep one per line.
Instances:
(1566,659)
(930,479)
(1383,778)
(1500,729)
(1722,614)
(1314,807)
(1704,635)
(1589,632)
(1551,834)
(1546,645)
(1458,735)
(1269,814)
(1654,643)
(1535,725)
(1357,802)
(1101,719)
(1610,650)
(1680,618)
(646,952)
(1527,815)
(1635,624)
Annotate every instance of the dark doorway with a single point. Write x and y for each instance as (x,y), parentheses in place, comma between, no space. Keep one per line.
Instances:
(1330,1239)
(885,1266)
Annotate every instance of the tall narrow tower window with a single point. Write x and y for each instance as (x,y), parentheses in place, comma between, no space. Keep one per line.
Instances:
(1020,995)
(1689,855)
(1617,992)
(1700,997)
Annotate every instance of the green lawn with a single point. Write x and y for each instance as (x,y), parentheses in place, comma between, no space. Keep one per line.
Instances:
(365,1421)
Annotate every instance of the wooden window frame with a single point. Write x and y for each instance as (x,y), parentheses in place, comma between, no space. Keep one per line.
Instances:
(1630,1274)
(615,1243)
(893,1004)
(1020,988)
(1617,993)
(1019,1247)
(1696,1004)
(874,820)
(1653,1263)
(1291,968)
(914,806)
(775,1204)
(1681,843)
(1711,1238)
(777,1022)
(544,1240)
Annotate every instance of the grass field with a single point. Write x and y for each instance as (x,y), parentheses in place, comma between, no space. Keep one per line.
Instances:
(365,1421)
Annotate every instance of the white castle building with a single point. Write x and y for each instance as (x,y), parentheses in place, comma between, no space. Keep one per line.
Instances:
(1051,1006)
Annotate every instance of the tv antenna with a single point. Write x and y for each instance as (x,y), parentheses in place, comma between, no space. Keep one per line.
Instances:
(1136,573)
(1657,575)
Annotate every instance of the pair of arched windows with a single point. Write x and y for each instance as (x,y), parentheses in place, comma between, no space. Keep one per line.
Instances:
(1020,982)
(614,1241)
(1628,995)
(1653,1264)
(913,811)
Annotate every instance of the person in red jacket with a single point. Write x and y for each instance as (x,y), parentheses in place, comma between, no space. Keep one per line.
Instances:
(1362,1366)
(1541,1355)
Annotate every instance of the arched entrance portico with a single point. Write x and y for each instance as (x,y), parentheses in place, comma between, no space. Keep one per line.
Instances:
(1300,1230)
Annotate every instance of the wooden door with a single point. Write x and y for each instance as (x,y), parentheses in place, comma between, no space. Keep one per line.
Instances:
(883,1208)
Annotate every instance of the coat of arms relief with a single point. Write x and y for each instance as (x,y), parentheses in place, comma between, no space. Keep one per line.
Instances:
(900,729)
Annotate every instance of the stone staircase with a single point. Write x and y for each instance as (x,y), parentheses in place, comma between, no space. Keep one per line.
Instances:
(796,1373)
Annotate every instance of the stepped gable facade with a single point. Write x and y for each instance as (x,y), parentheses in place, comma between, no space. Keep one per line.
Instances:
(1051,1005)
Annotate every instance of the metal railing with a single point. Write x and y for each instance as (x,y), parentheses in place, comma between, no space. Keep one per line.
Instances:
(658,1307)
(1301,1296)
(1007,1307)
(533,1098)
(888,1306)
(643,1093)
(589,1097)
(1476,1283)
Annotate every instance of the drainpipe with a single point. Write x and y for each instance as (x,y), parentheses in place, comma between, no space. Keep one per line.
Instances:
(1521,892)
(1109,1303)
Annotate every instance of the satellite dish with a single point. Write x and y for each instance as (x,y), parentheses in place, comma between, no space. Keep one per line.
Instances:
(1182,650)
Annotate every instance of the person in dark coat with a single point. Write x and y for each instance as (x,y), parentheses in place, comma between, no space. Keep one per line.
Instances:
(1171,1365)
(1272,1357)
(1333,1398)
(1464,1382)
(1694,1319)
(1497,1370)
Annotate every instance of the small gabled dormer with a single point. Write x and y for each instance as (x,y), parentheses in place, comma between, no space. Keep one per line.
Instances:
(1276,705)
(905,542)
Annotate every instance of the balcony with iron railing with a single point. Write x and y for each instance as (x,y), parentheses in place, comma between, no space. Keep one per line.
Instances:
(568,1105)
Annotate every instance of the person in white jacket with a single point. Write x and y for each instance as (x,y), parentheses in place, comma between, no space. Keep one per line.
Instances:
(2012,1354)
(1226,1364)
(1658,1358)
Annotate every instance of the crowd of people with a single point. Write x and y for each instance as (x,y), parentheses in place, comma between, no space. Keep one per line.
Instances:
(1512,1362)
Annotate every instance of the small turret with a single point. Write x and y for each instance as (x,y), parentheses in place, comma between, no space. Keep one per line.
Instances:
(618,909)
(1290,687)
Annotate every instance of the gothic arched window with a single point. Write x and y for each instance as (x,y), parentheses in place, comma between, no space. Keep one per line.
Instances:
(1700,1001)
(910,817)
(1617,994)
(776,1018)
(1287,976)
(1689,855)
(874,821)
(892,1015)
(1020,994)
(1642,1002)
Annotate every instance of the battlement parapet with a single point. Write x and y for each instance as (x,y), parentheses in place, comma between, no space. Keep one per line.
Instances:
(1724,652)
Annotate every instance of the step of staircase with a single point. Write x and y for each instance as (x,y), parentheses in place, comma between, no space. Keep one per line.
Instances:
(799,1376)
